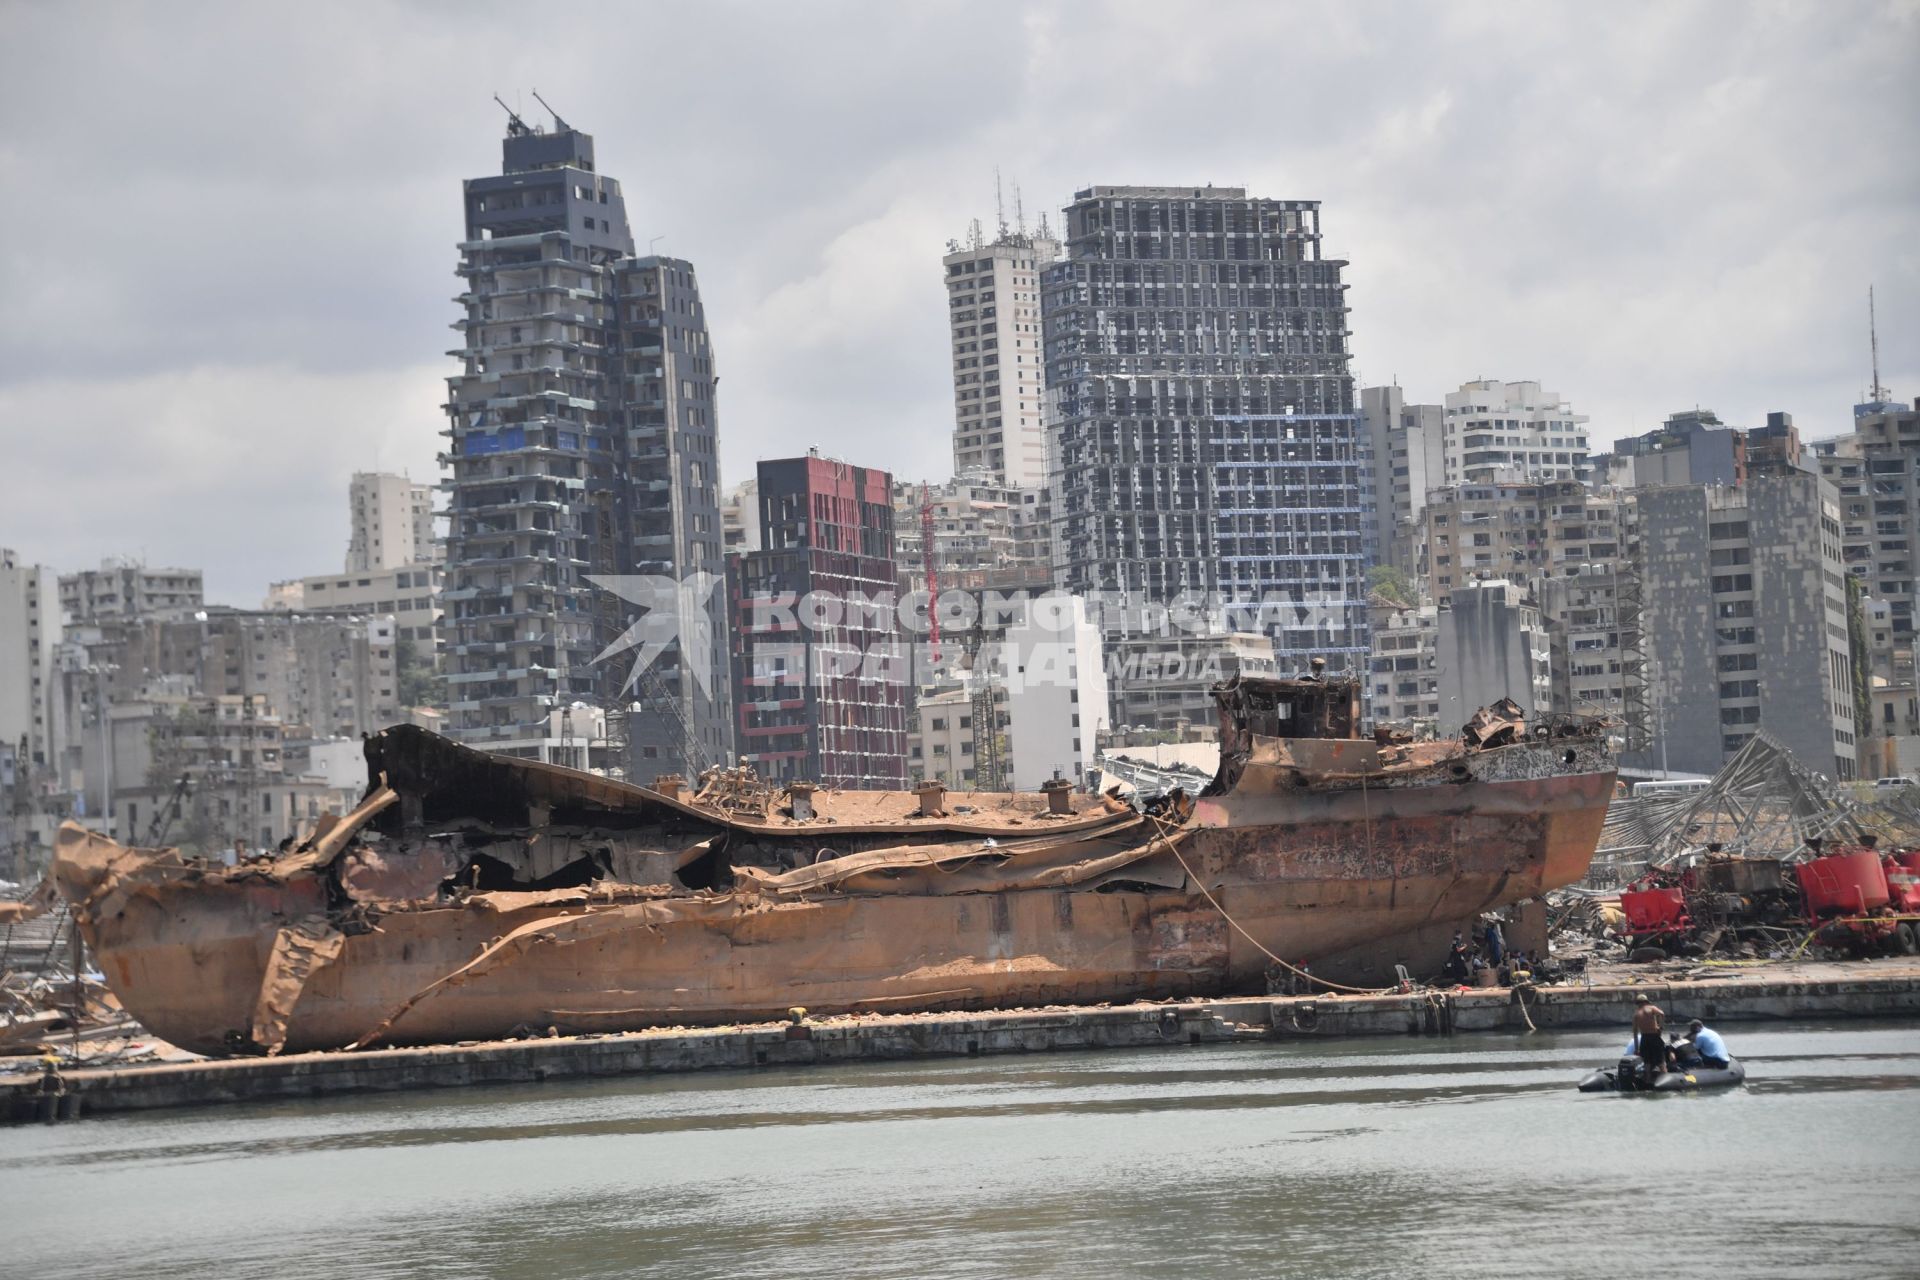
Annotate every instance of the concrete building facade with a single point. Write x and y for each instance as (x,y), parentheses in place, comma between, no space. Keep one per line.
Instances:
(1752,634)
(986,535)
(1053,667)
(410,593)
(1164,681)
(1691,447)
(1512,431)
(1404,667)
(1876,473)
(999,378)
(1490,643)
(30,631)
(1478,531)
(390,522)
(122,588)
(940,738)
(1203,432)
(582,445)
(1408,445)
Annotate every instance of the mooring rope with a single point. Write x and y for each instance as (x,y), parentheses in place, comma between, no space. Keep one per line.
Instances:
(1160,830)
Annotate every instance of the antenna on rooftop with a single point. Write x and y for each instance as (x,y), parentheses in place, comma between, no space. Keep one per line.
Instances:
(1873,337)
(558,123)
(515,125)
(1019,212)
(999,206)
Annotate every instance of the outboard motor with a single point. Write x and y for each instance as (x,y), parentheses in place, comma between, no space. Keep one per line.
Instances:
(1628,1072)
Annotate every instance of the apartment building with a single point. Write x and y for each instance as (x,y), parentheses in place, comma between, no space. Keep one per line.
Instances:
(1407,443)
(1201,415)
(1512,431)
(582,461)
(940,738)
(1752,636)
(410,593)
(986,535)
(1403,668)
(1164,680)
(820,667)
(1875,471)
(122,588)
(1479,531)
(999,376)
(29,635)
(390,522)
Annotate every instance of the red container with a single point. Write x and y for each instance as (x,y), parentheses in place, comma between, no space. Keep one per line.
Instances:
(1908,858)
(1844,883)
(1903,887)
(1653,910)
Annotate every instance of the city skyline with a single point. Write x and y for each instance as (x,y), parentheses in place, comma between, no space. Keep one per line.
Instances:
(272,251)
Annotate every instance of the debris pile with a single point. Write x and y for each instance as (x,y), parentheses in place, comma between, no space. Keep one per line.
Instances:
(1768,861)
(44,1008)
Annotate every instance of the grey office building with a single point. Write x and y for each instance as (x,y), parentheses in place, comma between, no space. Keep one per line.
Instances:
(1745,619)
(583,442)
(1202,431)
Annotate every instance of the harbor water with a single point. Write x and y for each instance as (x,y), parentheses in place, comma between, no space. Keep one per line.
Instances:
(1436,1158)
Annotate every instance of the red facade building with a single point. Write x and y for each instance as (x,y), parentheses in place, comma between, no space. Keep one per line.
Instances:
(820,664)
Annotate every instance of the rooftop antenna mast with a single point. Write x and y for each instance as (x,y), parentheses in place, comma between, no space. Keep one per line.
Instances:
(1019,212)
(559,125)
(999,206)
(1873,336)
(516,127)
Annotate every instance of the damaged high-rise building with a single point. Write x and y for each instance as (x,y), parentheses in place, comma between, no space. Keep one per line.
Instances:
(583,447)
(1202,428)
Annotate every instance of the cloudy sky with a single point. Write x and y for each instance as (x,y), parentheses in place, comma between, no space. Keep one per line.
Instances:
(227,233)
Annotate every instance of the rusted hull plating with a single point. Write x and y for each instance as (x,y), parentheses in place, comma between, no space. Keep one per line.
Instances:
(221,960)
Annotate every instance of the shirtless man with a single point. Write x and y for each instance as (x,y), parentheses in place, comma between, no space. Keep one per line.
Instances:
(1648,1021)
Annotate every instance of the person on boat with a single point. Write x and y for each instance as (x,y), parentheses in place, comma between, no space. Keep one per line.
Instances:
(1649,1020)
(1706,1042)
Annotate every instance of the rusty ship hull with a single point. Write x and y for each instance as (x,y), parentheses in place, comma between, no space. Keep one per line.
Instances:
(472,897)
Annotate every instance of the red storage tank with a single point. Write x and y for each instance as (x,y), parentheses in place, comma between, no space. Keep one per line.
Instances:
(1652,910)
(1844,883)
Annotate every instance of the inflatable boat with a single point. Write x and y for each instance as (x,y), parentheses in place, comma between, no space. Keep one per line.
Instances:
(1630,1076)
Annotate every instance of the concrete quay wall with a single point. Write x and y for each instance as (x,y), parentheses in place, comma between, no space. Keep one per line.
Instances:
(1831,992)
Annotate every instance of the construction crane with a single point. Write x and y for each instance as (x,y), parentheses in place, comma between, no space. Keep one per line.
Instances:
(163,816)
(933,573)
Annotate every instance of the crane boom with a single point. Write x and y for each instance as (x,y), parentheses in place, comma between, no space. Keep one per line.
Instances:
(933,573)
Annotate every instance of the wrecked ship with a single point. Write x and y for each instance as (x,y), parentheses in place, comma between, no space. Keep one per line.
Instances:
(472,896)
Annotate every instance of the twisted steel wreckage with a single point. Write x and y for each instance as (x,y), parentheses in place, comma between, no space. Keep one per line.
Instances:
(472,896)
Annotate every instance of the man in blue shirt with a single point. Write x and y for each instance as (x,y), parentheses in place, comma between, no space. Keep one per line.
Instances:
(1708,1044)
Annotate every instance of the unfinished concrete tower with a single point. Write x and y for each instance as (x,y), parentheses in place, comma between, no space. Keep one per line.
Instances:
(583,446)
(1201,419)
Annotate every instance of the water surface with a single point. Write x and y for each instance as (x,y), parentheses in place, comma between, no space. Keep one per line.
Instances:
(1470,1157)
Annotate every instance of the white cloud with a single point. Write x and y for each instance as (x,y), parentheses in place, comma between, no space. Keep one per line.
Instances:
(242,471)
(227,259)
